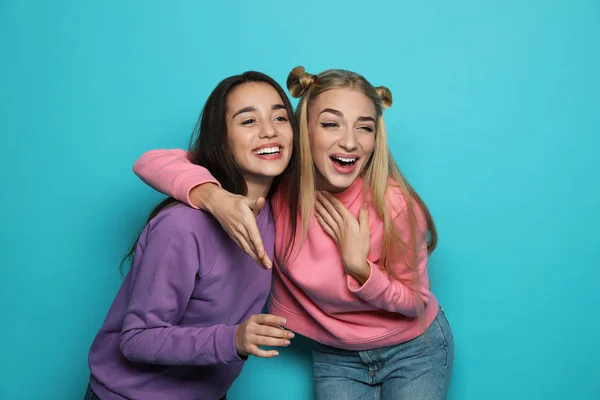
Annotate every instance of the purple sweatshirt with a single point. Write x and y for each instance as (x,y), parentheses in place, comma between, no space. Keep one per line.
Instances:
(170,333)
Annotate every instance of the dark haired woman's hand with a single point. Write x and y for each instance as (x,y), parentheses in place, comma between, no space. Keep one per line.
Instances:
(261,330)
(237,215)
(352,236)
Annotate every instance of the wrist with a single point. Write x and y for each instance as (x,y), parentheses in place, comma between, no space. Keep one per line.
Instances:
(361,274)
(239,346)
(203,196)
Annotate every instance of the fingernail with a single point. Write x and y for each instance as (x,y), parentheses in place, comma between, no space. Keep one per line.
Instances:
(291,335)
(283,321)
(276,353)
(286,342)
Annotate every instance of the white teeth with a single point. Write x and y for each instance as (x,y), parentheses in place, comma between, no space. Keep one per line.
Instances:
(268,150)
(346,160)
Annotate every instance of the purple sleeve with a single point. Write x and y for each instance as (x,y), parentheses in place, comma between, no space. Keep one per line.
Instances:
(160,294)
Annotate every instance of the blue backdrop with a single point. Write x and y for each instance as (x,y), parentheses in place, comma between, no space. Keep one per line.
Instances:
(496,121)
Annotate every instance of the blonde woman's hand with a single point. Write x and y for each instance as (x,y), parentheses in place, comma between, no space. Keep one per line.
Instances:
(352,236)
(237,215)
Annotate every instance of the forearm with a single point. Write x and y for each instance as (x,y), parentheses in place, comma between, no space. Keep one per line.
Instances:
(172,173)
(387,293)
(181,345)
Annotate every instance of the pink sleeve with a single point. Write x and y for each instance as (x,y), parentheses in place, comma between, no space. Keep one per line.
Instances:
(398,295)
(171,172)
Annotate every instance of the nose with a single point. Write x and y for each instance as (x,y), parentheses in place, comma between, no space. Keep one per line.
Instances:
(348,141)
(267,130)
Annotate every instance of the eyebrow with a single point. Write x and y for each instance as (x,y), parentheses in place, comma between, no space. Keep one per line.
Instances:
(253,108)
(332,111)
(341,115)
(366,119)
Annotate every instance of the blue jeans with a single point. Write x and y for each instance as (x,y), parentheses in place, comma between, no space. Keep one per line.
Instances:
(419,369)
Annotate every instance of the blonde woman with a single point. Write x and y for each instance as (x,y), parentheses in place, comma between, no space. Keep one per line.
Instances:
(354,278)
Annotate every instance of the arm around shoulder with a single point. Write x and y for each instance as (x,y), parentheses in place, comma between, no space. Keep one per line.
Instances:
(171,172)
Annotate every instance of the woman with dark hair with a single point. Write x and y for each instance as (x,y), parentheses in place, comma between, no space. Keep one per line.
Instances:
(188,312)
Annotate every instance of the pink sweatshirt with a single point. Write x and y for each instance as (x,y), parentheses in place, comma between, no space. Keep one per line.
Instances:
(312,290)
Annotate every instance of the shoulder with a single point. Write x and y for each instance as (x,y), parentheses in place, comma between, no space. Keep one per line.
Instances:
(190,233)
(265,216)
(180,220)
(398,200)
(395,198)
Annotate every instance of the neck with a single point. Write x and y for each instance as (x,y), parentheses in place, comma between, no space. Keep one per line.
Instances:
(322,184)
(258,186)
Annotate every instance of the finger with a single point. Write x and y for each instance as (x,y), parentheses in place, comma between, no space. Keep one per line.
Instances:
(258,205)
(328,221)
(325,227)
(337,204)
(252,234)
(271,320)
(270,331)
(258,352)
(256,242)
(271,341)
(328,205)
(266,261)
(363,221)
(363,216)
(244,245)
(327,217)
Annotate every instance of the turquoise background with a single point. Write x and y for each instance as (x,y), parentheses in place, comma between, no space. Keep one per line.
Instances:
(496,121)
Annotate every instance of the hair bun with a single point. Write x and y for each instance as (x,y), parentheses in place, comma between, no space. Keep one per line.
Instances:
(299,81)
(386,96)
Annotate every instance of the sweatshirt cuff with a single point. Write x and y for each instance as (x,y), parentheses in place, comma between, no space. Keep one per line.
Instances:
(226,345)
(373,287)
(185,185)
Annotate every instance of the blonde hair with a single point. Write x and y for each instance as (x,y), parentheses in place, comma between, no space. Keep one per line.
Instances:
(380,172)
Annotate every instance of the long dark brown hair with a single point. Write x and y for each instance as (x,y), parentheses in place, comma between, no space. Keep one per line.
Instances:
(209,148)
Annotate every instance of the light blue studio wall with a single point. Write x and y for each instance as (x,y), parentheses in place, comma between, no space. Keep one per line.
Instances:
(495,121)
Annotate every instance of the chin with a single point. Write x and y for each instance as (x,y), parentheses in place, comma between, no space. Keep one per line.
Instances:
(268,169)
(338,183)
(268,172)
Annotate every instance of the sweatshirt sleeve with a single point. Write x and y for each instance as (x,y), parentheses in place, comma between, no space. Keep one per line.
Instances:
(401,295)
(171,172)
(160,294)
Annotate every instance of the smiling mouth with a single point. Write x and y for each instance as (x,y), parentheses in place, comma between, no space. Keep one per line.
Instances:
(267,151)
(344,161)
